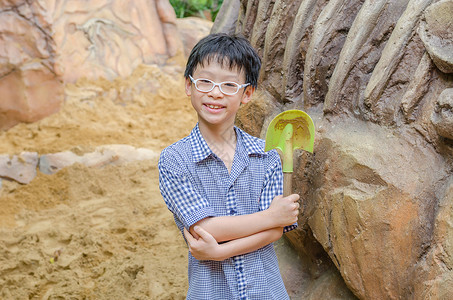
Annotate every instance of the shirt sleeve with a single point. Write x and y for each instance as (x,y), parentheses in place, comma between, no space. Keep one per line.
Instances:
(273,185)
(179,194)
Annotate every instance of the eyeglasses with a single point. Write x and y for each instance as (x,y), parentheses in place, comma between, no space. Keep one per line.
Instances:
(226,87)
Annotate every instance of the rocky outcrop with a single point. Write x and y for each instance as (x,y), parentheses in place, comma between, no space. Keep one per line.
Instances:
(44,44)
(23,167)
(375,77)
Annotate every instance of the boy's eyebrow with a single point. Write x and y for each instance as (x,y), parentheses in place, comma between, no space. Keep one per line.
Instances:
(229,77)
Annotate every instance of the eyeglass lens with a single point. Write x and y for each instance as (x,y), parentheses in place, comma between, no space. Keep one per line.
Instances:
(206,85)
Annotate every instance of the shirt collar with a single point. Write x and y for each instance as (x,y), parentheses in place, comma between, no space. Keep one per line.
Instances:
(252,145)
(201,150)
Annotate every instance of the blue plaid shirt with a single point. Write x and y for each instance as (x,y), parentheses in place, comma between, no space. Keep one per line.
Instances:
(195,184)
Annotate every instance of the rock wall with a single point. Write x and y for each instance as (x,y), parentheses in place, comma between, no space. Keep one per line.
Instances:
(46,43)
(376,77)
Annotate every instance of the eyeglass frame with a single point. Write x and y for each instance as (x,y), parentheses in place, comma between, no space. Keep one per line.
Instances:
(240,86)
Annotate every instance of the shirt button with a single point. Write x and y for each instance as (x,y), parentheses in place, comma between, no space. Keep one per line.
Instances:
(232,212)
(240,269)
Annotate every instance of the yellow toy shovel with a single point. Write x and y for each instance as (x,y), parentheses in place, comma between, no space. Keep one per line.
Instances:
(290,130)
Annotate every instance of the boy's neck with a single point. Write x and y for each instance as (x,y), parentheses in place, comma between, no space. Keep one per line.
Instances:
(222,134)
(221,140)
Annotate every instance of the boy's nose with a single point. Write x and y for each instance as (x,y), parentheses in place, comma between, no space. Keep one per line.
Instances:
(216,92)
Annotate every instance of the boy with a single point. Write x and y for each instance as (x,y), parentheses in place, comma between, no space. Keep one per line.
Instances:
(222,188)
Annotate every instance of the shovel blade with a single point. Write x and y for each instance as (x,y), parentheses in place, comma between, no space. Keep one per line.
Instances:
(303,134)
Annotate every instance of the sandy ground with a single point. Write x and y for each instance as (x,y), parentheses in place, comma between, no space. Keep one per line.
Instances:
(97,233)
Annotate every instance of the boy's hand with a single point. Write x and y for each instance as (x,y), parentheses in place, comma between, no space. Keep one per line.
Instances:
(284,210)
(205,247)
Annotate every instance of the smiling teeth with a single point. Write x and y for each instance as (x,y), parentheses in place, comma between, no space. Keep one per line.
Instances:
(213,106)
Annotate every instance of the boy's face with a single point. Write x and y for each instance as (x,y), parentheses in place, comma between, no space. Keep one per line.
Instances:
(215,108)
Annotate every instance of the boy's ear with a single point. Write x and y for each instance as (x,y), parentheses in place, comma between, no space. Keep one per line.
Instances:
(248,93)
(188,87)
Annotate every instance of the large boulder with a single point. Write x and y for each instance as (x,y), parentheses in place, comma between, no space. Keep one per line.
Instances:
(377,189)
(30,87)
(111,38)
(373,203)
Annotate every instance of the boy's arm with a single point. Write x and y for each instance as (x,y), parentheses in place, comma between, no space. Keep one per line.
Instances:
(274,209)
(191,208)
(207,248)
(283,211)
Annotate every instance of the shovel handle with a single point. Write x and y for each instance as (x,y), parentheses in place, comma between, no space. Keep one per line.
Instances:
(287,183)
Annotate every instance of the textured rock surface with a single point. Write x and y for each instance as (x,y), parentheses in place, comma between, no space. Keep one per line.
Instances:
(375,77)
(46,43)
(436,270)
(228,12)
(21,168)
(442,116)
(29,86)
(191,30)
(436,32)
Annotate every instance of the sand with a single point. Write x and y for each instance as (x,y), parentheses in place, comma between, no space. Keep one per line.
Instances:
(97,233)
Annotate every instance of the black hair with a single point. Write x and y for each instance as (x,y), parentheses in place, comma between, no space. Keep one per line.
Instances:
(231,51)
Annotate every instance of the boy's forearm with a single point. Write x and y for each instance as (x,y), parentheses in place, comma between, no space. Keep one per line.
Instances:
(282,212)
(229,228)
(249,244)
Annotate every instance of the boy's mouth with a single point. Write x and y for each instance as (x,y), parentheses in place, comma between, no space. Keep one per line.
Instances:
(214,106)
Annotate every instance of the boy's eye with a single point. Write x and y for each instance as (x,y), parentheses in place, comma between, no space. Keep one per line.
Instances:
(205,81)
(230,84)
